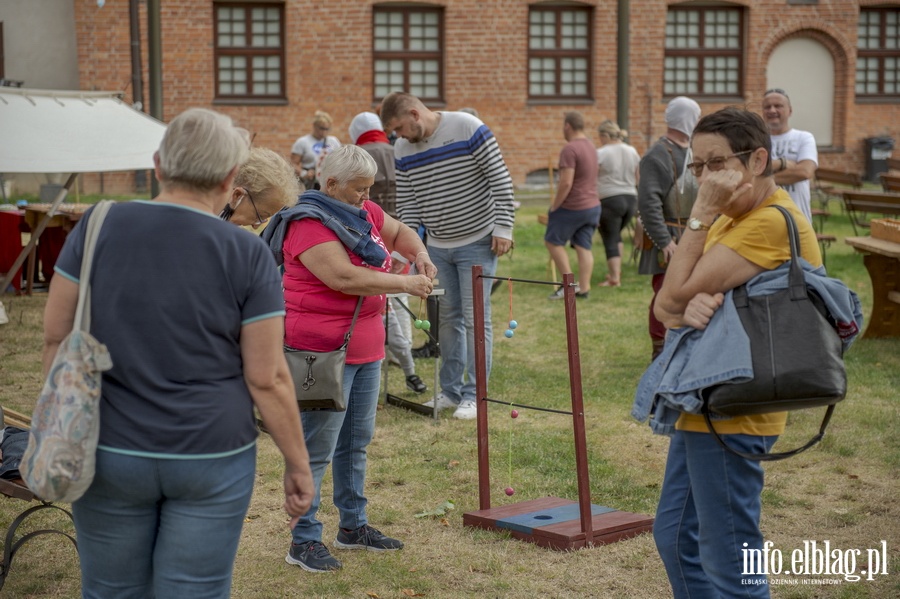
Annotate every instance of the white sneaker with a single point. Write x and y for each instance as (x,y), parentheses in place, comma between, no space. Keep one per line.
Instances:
(443,402)
(466,410)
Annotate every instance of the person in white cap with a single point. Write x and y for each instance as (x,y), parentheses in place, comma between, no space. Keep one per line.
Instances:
(366,132)
(666,193)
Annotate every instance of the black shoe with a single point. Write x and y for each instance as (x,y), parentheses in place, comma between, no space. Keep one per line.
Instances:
(581,294)
(428,350)
(414,383)
(366,537)
(312,556)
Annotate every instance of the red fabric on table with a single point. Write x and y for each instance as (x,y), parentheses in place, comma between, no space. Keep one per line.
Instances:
(10,245)
(49,246)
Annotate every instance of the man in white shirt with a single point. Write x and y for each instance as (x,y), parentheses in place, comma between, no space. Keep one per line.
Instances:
(794,154)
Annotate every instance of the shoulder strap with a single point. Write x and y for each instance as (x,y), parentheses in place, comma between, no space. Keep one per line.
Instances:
(95,222)
(353,324)
(795,278)
(771,457)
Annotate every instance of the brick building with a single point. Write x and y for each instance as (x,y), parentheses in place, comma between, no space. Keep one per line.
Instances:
(271,64)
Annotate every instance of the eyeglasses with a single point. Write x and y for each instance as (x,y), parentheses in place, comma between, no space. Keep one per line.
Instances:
(713,164)
(259,219)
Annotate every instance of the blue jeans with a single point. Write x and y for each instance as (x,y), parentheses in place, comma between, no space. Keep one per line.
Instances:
(150,527)
(457,326)
(708,509)
(341,439)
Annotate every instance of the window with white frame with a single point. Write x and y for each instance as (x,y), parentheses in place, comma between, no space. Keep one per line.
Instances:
(249,50)
(878,52)
(559,52)
(408,51)
(704,49)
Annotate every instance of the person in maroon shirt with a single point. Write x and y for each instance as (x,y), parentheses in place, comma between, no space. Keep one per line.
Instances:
(575,211)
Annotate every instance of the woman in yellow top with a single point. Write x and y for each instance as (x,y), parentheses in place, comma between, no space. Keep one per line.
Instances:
(708,515)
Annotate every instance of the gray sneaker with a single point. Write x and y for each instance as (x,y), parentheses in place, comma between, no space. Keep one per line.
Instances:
(560,293)
(312,556)
(366,537)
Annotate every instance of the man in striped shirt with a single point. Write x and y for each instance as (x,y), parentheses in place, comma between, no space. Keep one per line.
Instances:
(452,180)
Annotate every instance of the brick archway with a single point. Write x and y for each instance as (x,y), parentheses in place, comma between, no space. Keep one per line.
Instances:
(839,47)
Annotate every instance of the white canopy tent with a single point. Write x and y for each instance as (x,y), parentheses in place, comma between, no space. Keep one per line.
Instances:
(49,131)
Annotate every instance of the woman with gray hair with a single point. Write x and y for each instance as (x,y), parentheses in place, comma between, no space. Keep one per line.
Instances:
(191,310)
(336,246)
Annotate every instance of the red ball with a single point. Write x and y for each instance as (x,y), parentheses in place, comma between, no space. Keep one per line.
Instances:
(510,491)
(514,414)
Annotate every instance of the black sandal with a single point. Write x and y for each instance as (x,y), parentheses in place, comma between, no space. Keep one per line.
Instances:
(414,383)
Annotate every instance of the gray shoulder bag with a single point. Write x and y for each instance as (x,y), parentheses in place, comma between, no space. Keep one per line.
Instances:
(319,376)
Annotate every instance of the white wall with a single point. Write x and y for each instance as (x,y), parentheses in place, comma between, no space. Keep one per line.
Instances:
(805,70)
(39,49)
(39,43)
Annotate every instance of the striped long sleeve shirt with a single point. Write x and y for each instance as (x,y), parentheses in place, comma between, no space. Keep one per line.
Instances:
(455,183)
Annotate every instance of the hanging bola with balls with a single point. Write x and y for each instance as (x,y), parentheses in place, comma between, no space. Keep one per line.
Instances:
(513,414)
(512,323)
(420,323)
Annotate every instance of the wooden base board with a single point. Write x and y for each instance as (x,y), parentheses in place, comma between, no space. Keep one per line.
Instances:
(409,405)
(556,523)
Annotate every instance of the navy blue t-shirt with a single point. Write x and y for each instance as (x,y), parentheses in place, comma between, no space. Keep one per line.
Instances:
(170,289)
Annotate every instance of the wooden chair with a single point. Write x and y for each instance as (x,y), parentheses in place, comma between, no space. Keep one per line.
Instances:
(890,182)
(831,183)
(861,203)
(16,489)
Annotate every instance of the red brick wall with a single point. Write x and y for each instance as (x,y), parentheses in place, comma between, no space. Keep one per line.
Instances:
(329,67)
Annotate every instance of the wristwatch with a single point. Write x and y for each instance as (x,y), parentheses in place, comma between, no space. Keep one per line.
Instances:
(695,224)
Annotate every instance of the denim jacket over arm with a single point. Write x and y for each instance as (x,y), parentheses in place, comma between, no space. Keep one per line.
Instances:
(694,360)
(347,222)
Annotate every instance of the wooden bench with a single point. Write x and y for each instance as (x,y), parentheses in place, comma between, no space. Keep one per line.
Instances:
(829,184)
(890,182)
(893,164)
(860,204)
(16,489)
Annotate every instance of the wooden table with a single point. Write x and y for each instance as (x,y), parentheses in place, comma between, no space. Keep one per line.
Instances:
(882,260)
(65,217)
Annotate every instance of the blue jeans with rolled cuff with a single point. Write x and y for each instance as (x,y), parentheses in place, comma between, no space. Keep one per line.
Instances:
(708,510)
(341,439)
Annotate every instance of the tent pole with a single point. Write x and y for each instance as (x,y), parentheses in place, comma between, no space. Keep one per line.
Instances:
(37,233)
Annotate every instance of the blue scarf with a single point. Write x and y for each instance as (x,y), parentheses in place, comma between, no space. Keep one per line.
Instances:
(347,222)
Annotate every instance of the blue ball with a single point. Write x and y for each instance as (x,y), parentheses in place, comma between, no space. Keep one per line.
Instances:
(513,324)
(509,333)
